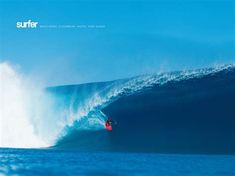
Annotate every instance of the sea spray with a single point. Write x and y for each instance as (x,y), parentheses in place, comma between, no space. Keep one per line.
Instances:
(32,117)
(25,111)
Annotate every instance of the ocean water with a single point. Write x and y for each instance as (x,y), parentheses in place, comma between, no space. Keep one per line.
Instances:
(70,162)
(176,112)
(179,112)
(185,112)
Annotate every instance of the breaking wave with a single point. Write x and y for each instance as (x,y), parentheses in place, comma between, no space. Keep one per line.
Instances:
(73,116)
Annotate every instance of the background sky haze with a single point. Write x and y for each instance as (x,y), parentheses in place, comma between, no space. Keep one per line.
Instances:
(139,37)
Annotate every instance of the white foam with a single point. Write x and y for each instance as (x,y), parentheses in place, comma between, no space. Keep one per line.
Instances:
(20,107)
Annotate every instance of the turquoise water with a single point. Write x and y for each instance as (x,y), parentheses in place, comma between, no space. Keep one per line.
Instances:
(69,162)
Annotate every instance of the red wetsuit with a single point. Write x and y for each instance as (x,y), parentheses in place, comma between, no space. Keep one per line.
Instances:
(108,126)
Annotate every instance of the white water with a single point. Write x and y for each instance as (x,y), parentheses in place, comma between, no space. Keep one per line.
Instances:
(22,106)
(28,116)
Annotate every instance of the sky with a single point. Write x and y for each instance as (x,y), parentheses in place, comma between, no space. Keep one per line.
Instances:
(134,37)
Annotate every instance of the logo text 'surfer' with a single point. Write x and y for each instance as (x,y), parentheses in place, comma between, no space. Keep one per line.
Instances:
(27,24)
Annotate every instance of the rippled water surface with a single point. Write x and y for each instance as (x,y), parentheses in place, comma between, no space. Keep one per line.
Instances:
(60,162)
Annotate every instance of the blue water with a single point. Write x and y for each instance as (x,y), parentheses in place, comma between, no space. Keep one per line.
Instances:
(67,162)
(179,123)
(187,112)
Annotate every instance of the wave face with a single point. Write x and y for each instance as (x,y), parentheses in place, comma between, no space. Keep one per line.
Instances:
(178,112)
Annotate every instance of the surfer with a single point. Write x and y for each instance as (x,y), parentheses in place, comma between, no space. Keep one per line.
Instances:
(108,124)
